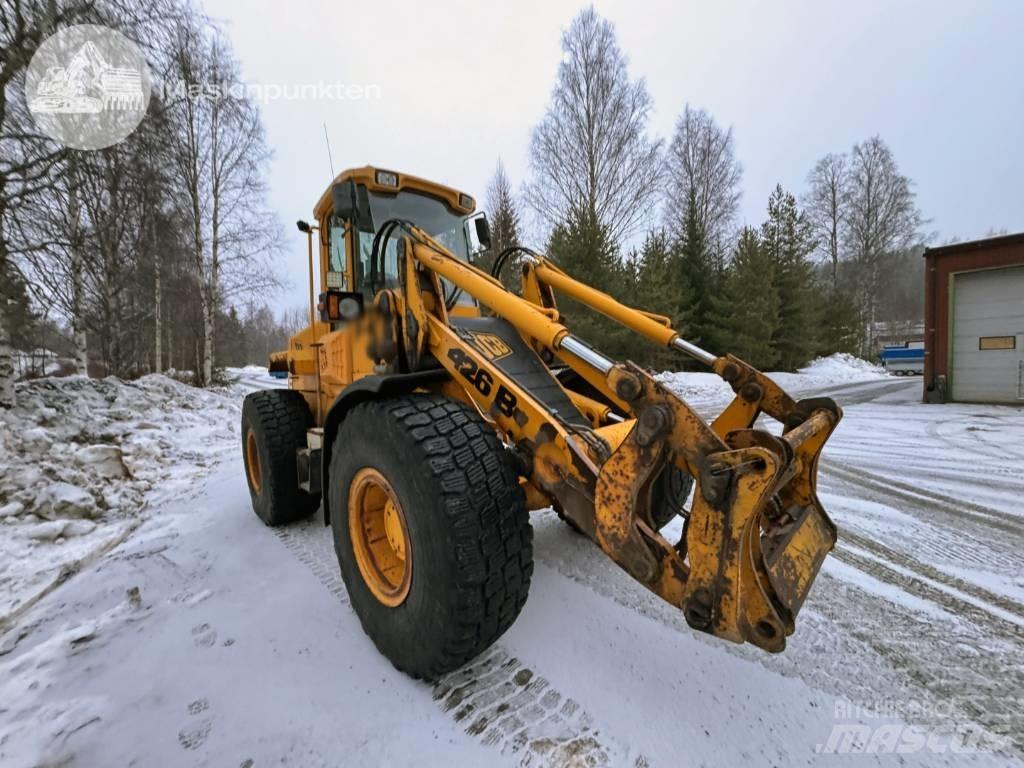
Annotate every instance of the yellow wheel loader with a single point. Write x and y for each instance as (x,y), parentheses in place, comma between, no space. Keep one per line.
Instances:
(429,409)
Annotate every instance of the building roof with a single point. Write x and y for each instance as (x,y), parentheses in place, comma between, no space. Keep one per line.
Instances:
(1002,241)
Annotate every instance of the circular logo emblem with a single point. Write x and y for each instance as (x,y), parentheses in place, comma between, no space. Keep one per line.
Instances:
(87,86)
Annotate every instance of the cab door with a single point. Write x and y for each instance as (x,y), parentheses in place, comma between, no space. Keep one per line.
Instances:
(336,270)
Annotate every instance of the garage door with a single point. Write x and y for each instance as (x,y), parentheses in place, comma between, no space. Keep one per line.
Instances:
(988,336)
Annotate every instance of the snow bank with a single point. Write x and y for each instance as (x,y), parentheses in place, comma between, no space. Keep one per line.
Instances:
(80,458)
(841,367)
(706,389)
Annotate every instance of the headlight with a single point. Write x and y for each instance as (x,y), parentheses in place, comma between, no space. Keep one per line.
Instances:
(466,202)
(387,179)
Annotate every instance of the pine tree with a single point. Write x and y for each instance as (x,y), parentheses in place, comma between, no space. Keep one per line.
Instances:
(696,266)
(504,220)
(746,311)
(663,287)
(840,328)
(583,248)
(787,240)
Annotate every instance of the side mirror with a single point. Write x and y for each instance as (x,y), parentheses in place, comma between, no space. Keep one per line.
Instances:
(483,232)
(352,203)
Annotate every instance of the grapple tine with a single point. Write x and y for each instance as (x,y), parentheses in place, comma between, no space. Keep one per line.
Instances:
(799,538)
(724,594)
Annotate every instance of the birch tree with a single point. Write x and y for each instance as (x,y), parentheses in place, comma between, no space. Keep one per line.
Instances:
(591,158)
(26,157)
(882,219)
(825,205)
(37,172)
(703,174)
(220,156)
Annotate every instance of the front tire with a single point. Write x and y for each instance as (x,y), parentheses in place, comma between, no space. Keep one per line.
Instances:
(669,494)
(431,530)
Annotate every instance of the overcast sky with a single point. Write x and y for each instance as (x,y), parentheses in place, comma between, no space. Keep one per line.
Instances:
(461,83)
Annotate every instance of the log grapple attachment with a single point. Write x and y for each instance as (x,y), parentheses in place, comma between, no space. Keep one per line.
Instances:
(756,534)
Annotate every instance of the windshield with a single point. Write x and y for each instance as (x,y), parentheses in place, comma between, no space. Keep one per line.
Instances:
(428,213)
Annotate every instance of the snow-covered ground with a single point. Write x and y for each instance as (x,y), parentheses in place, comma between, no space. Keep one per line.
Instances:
(196,636)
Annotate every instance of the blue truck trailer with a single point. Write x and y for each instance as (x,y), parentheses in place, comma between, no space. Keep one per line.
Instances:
(905,359)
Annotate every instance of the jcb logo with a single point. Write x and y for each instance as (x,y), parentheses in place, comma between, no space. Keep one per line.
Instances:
(491,345)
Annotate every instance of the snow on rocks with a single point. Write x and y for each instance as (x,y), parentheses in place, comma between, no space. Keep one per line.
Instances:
(65,500)
(13,509)
(79,460)
(104,460)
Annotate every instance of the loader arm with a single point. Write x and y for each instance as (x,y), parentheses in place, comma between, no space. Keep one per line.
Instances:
(756,534)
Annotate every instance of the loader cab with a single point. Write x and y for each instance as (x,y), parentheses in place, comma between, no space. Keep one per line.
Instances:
(358,205)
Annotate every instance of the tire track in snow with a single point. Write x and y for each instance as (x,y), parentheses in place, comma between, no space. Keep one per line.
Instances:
(315,550)
(959,538)
(853,642)
(918,498)
(974,664)
(503,703)
(496,698)
(1004,603)
(957,670)
(974,444)
(993,625)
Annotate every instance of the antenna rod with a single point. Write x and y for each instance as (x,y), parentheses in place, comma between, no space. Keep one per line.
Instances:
(329,158)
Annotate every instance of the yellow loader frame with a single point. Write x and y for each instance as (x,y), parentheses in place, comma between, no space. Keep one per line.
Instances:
(756,534)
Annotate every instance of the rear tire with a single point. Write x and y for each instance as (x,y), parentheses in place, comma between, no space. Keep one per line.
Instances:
(274,424)
(467,533)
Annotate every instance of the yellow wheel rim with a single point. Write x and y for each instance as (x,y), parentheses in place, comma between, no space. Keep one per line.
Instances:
(252,462)
(380,538)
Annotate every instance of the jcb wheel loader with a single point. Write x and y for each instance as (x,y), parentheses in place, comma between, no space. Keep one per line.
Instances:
(429,409)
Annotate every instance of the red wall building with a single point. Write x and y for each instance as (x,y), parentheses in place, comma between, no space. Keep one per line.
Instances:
(974,321)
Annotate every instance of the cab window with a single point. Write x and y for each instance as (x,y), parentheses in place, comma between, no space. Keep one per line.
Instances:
(336,263)
(427,212)
(390,260)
